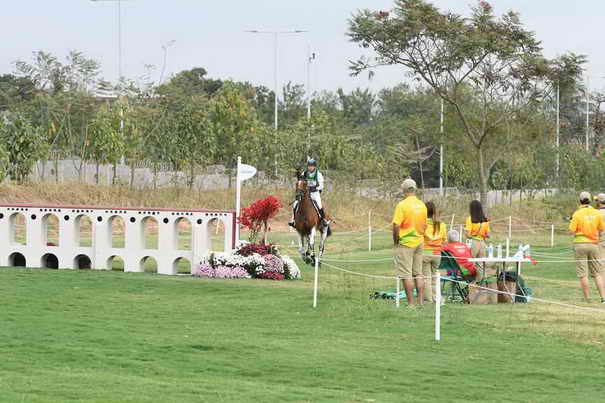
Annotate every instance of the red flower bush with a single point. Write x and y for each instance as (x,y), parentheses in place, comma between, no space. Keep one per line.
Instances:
(257,216)
(261,249)
(272,276)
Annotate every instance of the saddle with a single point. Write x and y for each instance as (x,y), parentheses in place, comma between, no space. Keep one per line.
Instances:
(314,206)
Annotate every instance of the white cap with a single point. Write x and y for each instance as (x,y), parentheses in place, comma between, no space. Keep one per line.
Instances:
(453,236)
(601,198)
(408,184)
(584,196)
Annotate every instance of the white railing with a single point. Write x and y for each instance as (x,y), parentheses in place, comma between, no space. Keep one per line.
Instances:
(24,236)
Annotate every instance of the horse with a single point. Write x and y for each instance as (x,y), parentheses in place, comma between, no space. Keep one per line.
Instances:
(307,223)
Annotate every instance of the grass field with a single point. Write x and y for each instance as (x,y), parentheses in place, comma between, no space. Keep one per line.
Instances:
(112,336)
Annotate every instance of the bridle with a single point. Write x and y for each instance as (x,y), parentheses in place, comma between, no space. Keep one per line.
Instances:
(301,189)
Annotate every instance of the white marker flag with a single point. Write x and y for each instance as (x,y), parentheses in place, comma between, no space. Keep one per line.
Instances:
(246,172)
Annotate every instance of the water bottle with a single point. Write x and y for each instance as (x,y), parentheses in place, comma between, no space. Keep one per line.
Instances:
(490,251)
(499,249)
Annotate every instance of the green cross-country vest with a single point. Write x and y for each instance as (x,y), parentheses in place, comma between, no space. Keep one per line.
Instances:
(311,178)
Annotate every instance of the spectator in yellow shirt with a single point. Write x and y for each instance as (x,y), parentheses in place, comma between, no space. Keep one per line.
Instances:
(434,238)
(587,226)
(409,225)
(477,229)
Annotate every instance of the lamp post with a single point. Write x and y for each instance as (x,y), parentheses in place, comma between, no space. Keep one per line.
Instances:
(119,13)
(310,60)
(276,35)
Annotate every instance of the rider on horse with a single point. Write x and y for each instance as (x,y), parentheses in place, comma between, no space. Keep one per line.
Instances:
(315,184)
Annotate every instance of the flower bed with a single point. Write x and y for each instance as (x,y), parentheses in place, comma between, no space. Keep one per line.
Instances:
(249,261)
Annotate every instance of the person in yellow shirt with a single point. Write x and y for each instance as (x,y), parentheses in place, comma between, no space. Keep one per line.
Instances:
(409,226)
(434,238)
(587,226)
(477,229)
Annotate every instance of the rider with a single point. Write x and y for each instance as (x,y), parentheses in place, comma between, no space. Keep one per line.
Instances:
(315,184)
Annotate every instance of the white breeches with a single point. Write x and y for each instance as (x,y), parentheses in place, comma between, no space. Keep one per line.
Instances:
(316,197)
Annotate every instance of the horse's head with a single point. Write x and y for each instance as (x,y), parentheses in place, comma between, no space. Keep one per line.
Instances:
(301,185)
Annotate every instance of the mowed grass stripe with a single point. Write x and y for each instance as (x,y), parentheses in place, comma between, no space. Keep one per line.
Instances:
(103,336)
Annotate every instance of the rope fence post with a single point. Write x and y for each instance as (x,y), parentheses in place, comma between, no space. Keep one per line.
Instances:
(507,247)
(438,307)
(316,283)
(398,291)
(510,227)
(552,235)
(370,231)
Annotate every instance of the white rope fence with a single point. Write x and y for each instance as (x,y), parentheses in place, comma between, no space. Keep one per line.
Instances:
(438,296)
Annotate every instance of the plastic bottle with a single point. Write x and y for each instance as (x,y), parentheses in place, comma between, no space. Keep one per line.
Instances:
(490,251)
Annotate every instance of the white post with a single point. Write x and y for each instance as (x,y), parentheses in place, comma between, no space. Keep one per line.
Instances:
(587,115)
(510,227)
(441,190)
(552,235)
(452,222)
(370,231)
(438,308)
(238,196)
(558,129)
(507,247)
(316,283)
(397,292)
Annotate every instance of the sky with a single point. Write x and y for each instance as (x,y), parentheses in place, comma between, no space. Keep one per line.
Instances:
(211,34)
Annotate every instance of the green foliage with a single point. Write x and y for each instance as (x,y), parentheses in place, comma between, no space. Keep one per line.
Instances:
(22,146)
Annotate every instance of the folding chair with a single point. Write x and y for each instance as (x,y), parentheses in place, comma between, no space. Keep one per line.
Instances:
(457,277)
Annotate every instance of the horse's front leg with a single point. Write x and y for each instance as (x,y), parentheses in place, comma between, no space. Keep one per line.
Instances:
(301,245)
(312,244)
(322,244)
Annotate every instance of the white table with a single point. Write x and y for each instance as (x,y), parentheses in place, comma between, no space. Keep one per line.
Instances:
(501,262)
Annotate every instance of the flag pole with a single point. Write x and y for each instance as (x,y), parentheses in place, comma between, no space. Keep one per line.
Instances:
(238,196)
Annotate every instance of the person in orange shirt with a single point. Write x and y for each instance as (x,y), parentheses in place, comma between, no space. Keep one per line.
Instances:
(587,226)
(409,226)
(477,229)
(434,238)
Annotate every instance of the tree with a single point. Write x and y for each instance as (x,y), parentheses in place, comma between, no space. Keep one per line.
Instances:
(494,62)
(23,146)
(14,90)
(192,82)
(106,141)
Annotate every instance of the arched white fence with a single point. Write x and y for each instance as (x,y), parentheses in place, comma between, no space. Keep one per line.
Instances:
(25,240)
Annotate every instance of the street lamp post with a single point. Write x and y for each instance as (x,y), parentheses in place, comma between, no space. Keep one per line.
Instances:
(119,13)
(310,60)
(276,35)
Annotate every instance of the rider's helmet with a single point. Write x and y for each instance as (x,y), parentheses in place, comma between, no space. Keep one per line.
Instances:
(311,162)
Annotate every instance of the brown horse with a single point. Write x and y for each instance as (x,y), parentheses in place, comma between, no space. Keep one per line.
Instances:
(308,223)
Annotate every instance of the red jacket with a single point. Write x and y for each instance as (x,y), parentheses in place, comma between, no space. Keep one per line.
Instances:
(462,253)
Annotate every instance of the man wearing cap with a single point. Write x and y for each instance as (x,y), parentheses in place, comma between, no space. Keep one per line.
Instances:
(409,225)
(586,225)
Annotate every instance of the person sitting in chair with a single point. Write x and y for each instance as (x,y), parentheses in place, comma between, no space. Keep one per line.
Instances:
(315,184)
(461,253)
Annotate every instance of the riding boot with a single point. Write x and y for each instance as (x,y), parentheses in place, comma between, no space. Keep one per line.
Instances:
(323,217)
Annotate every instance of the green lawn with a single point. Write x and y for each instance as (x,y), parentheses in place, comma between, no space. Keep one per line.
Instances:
(111,336)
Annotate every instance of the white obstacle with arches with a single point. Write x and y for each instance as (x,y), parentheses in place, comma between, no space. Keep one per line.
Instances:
(24,232)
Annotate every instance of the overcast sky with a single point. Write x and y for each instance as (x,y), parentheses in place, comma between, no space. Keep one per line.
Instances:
(210,34)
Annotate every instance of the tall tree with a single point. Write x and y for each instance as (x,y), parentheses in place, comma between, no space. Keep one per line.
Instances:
(494,61)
